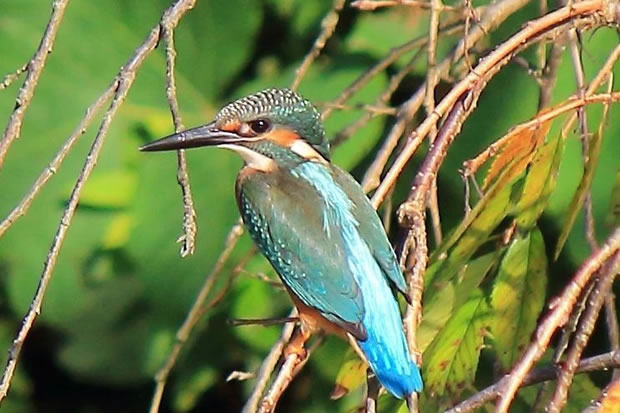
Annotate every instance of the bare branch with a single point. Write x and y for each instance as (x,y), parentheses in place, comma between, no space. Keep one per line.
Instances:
(34,68)
(582,335)
(51,169)
(189,213)
(596,363)
(123,82)
(328,26)
(487,67)
(193,316)
(561,308)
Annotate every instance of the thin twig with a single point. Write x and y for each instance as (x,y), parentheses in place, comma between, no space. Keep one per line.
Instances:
(370,5)
(193,316)
(560,310)
(540,374)
(432,79)
(611,319)
(35,67)
(494,15)
(372,392)
(123,83)
(51,169)
(582,335)
(328,25)
(8,80)
(189,213)
(393,55)
(567,331)
(488,66)
(385,96)
(125,80)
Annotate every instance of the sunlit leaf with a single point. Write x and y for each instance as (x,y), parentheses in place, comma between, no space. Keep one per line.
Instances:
(192,387)
(610,402)
(436,310)
(520,147)
(108,189)
(539,183)
(451,360)
(352,374)
(518,295)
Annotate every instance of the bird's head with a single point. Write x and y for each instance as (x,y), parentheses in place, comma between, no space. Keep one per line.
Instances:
(269,128)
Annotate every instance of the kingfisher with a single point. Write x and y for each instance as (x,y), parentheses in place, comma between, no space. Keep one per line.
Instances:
(315,225)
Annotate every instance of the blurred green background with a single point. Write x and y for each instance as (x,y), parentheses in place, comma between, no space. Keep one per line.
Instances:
(120,290)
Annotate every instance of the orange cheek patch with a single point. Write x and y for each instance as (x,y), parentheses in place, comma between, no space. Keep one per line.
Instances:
(231,126)
(283,137)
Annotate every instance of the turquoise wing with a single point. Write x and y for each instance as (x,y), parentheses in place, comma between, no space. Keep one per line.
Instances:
(284,218)
(371,229)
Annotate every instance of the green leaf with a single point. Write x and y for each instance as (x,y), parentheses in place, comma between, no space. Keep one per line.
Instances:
(582,191)
(190,388)
(352,375)
(108,189)
(452,358)
(435,312)
(539,182)
(518,295)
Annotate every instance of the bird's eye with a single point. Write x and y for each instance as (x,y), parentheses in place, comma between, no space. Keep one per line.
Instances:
(260,126)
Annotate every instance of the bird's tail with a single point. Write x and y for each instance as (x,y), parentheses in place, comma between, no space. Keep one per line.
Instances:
(392,363)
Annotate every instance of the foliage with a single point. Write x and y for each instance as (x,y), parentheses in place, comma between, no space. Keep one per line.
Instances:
(120,291)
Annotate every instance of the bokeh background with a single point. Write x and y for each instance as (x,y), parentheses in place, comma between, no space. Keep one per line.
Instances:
(120,290)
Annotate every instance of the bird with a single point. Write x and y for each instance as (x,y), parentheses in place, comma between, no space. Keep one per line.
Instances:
(315,225)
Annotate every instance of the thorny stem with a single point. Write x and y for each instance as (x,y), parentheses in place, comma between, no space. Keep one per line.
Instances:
(34,68)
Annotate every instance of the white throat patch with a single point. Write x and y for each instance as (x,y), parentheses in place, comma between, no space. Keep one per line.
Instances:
(252,159)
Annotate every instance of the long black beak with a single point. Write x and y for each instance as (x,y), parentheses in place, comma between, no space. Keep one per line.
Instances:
(205,135)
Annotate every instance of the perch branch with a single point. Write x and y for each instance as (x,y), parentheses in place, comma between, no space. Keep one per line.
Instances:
(268,365)
(34,68)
